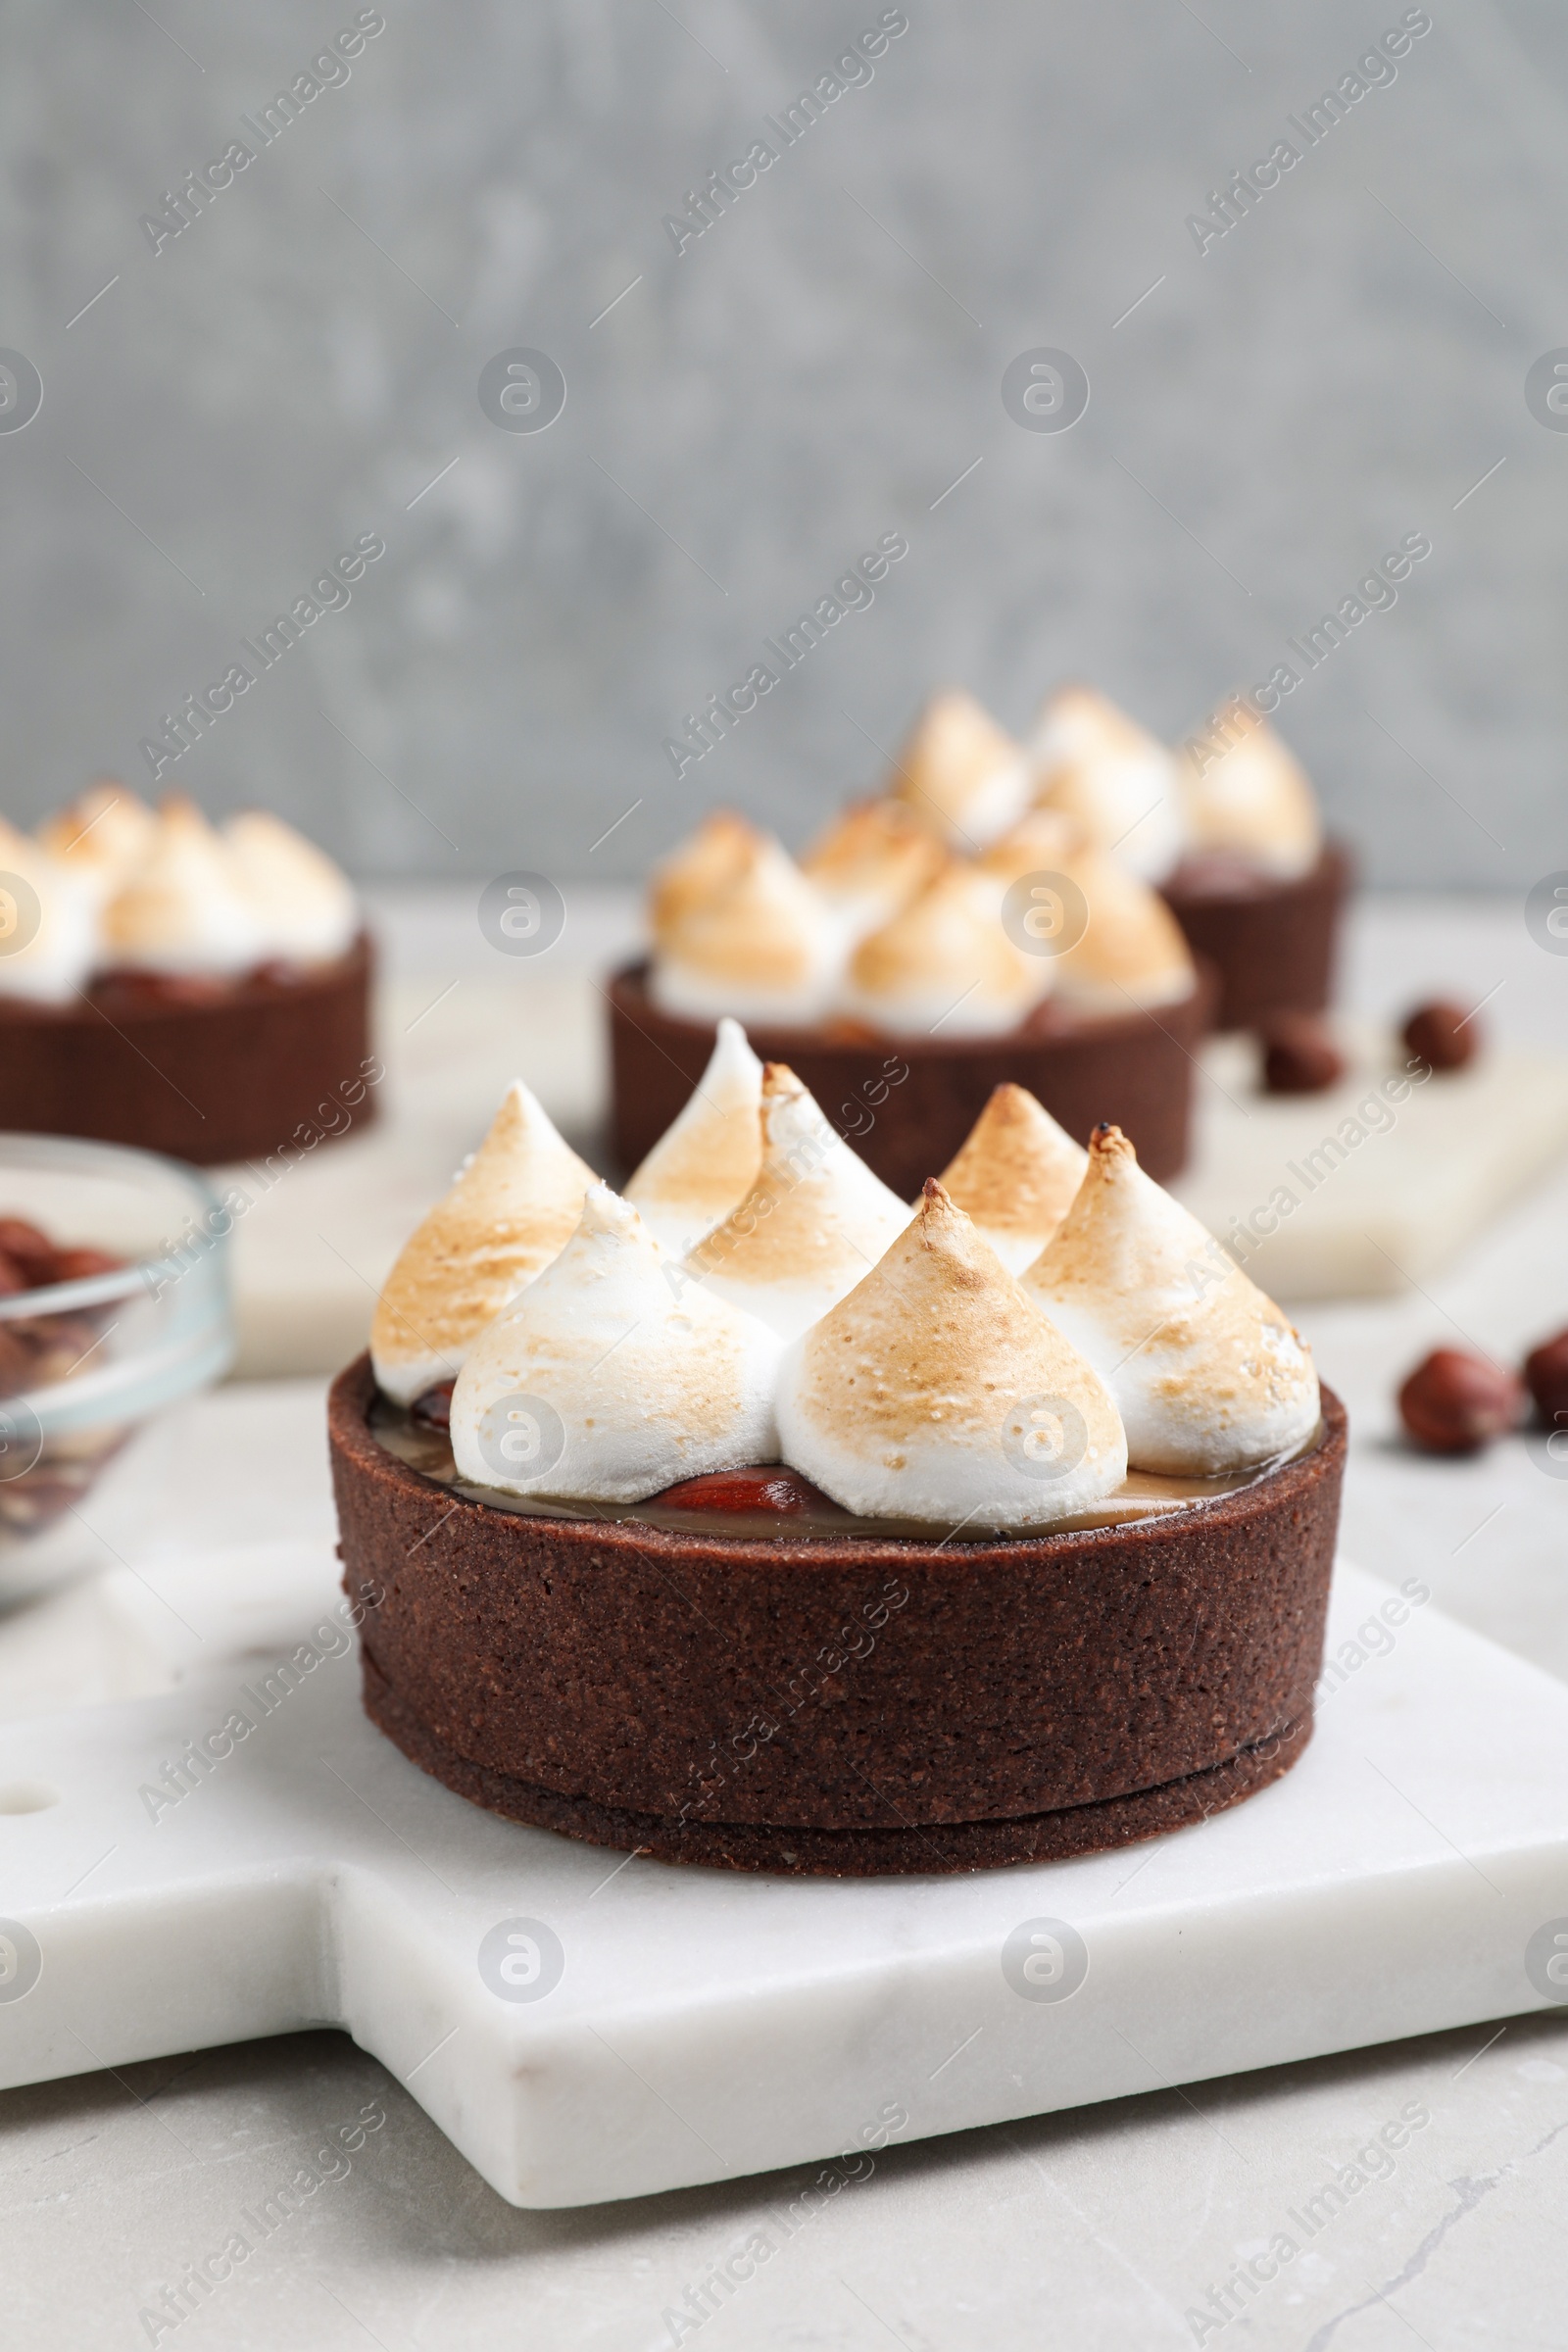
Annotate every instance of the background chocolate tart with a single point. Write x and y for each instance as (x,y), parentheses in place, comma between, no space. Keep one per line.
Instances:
(849,1707)
(1272,944)
(206,1070)
(1133,1068)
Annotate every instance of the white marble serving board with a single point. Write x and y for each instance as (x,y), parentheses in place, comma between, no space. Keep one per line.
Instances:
(310,1257)
(703,2025)
(1355,1194)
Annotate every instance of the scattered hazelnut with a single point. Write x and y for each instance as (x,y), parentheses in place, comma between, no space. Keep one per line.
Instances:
(75,1266)
(1456,1403)
(1546,1379)
(1300,1057)
(27,1249)
(1444,1035)
(16,1363)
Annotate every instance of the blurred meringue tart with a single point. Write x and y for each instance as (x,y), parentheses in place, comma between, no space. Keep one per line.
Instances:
(904,983)
(986,919)
(907,1103)
(1258,892)
(833,1545)
(193,991)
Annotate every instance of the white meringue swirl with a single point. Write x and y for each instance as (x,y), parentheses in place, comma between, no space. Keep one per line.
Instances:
(1098,765)
(511,1210)
(621,1386)
(1245,794)
(761,947)
(706,1162)
(304,906)
(813,1224)
(1016,1176)
(1208,1375)
(937,1390)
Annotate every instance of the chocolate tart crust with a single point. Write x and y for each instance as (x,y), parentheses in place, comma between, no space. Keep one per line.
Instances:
(857,1853)
(1133,1068)
(849,1707)
(228,1080)
(1273,949)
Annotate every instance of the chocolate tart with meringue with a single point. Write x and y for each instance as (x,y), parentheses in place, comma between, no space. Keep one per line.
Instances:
(1228,831)
(905,1101)
(817,1550)
(1258,892)
(904,971)
(192,992)
(1271,942)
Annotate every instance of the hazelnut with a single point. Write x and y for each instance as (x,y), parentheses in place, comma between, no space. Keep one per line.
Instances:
(1300,1057)
(75,1266)
(432,1409)
(1546,1379)
(1455,1403)
(1444,1036)
(28,1249)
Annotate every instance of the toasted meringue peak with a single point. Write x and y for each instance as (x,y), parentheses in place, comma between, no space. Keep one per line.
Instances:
(1132,953)
(1094,763)
(1016,1176)
(960,773)
(871,863)
(946,965)
(811,1226)
(1246,793)
(1041,842)
(706,1162)
(48,926)
(102,836)
(609,1381)
(1207,1373)
(183,909)
(305,908)
(938,1391)
(511,1210)
(761,947)
(691,873)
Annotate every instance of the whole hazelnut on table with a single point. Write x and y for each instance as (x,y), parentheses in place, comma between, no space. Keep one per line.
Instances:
(1444,1036)
(1300,1057)
(1546,1379)
(1455,1403)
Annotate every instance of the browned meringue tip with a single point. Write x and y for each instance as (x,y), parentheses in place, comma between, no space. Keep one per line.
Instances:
(1040,834)
(699,866)
(936,1206)
(779,1079)
(1008,1102)
(939,1214)
(718,826)
(108,788)
(1108,1142)
(878,825)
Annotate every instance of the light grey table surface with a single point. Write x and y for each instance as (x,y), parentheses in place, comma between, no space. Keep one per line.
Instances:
(1104,2228)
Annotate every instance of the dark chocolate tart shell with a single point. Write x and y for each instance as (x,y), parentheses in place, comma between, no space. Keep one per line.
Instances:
(1133,1068)
(849,1707)
(1273,946)
(225,1079)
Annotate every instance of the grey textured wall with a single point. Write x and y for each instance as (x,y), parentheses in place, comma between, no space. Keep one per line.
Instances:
(814,372)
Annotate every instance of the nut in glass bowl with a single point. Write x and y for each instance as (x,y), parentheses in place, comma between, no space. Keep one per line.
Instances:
(114,1304)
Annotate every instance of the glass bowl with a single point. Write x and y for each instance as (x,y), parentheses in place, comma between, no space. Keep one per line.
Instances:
(87,1365)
